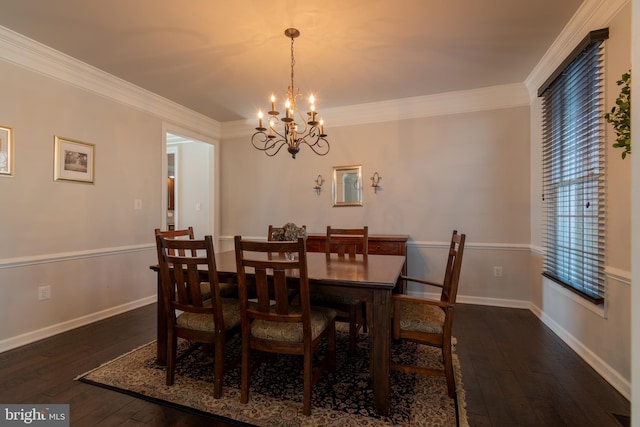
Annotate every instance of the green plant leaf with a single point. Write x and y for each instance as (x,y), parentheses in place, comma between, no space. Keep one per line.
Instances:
(619,117)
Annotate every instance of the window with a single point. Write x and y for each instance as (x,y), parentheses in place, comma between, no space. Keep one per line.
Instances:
(573,152)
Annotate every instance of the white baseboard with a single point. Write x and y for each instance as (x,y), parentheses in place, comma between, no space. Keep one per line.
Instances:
(465,299)
(52,330)
(494,302)
(610,375)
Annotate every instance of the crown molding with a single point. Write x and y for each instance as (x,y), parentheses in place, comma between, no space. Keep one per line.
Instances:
(27,53)
(458,102)
(465,101)
(24,52)
(592,15)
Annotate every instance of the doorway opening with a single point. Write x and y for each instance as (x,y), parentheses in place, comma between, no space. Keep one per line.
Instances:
(189,184)
(172,213)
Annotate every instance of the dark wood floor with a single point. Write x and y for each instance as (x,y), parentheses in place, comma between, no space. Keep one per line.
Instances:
(516,372)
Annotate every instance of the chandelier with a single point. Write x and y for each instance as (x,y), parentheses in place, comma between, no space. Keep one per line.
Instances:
(295,128)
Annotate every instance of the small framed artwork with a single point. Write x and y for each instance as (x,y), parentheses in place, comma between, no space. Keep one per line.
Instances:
(74,160)
(6,151)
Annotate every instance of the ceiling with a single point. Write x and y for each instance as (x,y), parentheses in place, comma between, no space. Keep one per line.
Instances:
(225,58)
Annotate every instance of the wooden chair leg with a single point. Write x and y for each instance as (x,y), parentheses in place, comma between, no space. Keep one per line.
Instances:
(218,370)
(448,368)
(308,383)
(172,342)
(245,372)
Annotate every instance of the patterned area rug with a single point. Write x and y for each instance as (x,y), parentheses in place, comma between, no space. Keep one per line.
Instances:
(340,398)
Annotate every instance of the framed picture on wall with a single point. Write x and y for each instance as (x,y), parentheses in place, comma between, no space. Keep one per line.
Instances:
(6,151)
(74,160)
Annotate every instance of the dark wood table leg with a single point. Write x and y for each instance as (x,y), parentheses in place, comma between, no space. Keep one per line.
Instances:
(381,352)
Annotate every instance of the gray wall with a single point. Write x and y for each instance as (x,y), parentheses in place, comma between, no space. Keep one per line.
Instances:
(466,171)
(81,239)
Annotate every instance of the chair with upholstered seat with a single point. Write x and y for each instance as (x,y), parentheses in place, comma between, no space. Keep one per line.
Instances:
(184,266)
(227,289)
(429,322)
(346,242)
(274,325)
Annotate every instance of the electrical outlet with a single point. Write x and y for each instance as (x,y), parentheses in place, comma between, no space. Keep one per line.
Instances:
(44,292)
(497,271)
(137,204)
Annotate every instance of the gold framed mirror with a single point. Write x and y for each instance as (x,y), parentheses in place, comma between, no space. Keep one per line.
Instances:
(347,185)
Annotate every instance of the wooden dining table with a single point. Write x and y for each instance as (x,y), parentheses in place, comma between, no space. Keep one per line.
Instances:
(370,278)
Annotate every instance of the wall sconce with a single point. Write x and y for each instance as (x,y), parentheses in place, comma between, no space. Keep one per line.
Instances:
(375,179)
(319,181)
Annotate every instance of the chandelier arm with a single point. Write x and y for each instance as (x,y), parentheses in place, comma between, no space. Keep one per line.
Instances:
(264,143)
(270,144)
(282,144)
(320,146)
(283,137)
(274,129)
(320,150)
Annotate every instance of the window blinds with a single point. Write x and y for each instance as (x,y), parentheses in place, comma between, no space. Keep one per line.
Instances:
(573,171)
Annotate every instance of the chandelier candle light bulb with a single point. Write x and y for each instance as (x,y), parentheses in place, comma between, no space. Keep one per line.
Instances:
(295,128)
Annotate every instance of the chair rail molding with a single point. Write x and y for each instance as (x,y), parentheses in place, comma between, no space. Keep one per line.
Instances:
(67,256)
(473,245)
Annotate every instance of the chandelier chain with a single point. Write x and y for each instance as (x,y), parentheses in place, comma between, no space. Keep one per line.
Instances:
(293,62)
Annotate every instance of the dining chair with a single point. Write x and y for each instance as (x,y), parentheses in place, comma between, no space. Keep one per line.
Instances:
(184,266)
(227,289)
(271,233)
(427,321)
(186,233)
(272,323)
(346,241)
